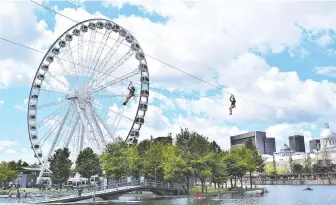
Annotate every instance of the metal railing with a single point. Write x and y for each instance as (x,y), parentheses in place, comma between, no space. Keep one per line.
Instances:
(92,191)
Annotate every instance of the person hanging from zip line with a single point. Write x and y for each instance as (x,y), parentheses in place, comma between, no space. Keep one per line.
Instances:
(233,103)
(131,89)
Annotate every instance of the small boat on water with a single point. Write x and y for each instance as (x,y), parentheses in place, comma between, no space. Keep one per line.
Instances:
(198,196)
(308,189)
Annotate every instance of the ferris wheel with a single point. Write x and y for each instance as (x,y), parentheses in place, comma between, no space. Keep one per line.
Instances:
(91,86)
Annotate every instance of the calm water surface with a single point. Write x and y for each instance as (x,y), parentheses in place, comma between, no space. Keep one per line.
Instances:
(278,195)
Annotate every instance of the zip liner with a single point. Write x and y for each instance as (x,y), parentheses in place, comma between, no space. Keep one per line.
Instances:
(131,89)
(233,103)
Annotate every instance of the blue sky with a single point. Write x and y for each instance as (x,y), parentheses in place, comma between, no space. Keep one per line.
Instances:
(185,101)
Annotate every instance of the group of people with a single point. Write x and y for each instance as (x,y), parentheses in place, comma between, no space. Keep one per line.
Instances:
(131,89)
(18,195)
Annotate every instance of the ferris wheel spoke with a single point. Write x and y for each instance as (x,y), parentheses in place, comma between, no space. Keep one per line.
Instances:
(81,141)
(115,81)
(110,53)
(117,120)
(117,113)
(109,71)
(81,110)
(49,132)
(72,132)
(100,50)
(73,63)
(54,142)
(58,80)
(50,104)
(90,49)
(52,91)
(50,116)
(112,96)
(94,132)
(106,127)
(97,127)
(80,51)
(59,61)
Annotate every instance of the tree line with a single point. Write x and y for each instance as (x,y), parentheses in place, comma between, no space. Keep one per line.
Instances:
(9,171)
(191,155)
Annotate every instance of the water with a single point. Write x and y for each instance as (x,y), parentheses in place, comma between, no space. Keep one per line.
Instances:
(278,195)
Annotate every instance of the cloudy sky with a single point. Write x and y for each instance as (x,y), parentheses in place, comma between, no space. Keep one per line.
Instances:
(276,57)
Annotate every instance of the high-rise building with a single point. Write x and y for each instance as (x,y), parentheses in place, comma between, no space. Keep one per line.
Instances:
(264,145)
(296,143)
(314,145)
(269,145)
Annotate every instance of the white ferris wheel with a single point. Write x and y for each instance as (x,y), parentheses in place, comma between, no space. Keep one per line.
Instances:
(78,95)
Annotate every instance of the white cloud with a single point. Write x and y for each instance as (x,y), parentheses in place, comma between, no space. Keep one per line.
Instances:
(323,41)
(329,71)
(10,151)
(22,107)
(2,102)
(6,144)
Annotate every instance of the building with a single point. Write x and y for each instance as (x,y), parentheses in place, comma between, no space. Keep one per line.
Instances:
(297,143)
(285,158)
(28,177)
(325,147)
(314,145)
(264,145)
(269,145)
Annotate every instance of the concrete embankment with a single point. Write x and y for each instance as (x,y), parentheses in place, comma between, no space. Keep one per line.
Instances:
(298,182)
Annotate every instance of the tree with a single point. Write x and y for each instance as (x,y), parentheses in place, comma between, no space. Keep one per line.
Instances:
(297,168)
(88,163)
(254,159)
(153,161)
(191,147)
(231,160)
(174,167)
(7,173)
(60,166)
(114,159)
(135,161)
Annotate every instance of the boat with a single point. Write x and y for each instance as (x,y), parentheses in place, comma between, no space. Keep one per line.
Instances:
(308,189)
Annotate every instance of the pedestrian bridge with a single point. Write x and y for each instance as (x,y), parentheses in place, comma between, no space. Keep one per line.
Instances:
(116,190)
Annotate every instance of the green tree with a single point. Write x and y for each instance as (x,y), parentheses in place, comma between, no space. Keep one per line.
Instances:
(231,161)
(7,173)
(297,168)
(269,169)
(60,166)
(88,163)
(191,147)
(135,161)
(114,159)
(244,162)
(254,159)
(174,167)
(153,161)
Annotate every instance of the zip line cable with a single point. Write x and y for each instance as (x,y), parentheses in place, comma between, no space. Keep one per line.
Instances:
(171,66)
(153,88)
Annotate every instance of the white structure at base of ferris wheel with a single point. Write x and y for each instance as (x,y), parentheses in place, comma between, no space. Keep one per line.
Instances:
(77,73)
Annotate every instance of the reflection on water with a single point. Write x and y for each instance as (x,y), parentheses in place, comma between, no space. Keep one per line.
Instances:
(278,195)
